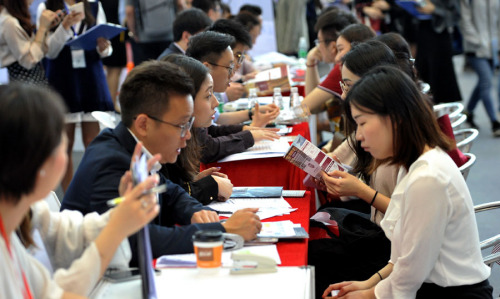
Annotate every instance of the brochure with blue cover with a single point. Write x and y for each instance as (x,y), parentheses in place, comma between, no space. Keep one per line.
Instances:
(88,40)
(256,192)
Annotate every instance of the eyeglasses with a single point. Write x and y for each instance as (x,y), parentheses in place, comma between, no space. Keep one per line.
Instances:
(344,87)
(229,68)
(184,128)
(326,41)
(239,57)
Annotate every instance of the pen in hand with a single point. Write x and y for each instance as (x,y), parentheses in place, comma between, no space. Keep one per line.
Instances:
(158,189)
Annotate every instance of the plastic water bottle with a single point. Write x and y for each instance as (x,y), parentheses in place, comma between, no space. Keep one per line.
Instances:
(294,97)
(302,48)
(252,98)
(278,98)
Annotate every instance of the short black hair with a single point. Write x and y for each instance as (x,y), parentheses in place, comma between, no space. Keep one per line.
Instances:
(31,128)
(357,33)
(333,21)
(233,28)
(148,87)
(364,56)
(253,9)
(192,20)
(247,19)
(208,46)
(205,5)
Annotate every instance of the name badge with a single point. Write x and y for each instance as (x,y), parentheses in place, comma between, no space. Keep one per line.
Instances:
(78,59)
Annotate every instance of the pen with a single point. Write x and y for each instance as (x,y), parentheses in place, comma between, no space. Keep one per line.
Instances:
(224,212)
(158,189)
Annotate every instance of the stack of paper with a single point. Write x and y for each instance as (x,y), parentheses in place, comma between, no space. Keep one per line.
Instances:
(268,207)
(282,229)
(261,149)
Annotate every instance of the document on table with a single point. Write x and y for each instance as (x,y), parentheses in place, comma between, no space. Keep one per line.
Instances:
(268,207)
(188,260)
(261,149)
(282,229)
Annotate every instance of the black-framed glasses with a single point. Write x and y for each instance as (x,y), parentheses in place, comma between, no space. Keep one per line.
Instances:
(326,41)
(229,68)
(239,57)
(344,87)
(184,128)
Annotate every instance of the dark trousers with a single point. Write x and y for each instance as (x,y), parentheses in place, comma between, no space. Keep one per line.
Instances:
(482,290)
(148,50)
(434,63)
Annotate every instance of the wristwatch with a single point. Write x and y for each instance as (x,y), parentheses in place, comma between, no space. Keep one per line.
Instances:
(250,114)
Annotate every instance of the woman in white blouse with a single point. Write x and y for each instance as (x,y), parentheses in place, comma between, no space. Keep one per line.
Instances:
(21,49)
(430,218)
(34,151)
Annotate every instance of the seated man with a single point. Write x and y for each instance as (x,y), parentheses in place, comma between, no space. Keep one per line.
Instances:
(214,51)
(157,110)
(187,23)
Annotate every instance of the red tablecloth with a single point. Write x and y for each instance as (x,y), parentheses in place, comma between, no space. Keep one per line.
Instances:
(267,171)
(294,253)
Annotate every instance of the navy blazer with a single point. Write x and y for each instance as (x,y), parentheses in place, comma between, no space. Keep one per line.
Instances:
(172,49)
(97,179)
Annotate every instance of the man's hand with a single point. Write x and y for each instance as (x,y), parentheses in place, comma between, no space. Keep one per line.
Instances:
(262,117)
(314,56)
(244,223)
(204,216)
(235,91)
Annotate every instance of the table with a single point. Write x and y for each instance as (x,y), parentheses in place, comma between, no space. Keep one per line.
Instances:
(287,282)
(268,171)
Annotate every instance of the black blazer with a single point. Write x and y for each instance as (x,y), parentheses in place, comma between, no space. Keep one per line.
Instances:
(172,49)
(105,160)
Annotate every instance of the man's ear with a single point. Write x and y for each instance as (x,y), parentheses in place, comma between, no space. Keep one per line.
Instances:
(140,126)
(208,65)
(332,47)
(185,36)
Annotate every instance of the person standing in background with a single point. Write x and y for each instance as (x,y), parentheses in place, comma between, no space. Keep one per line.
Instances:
(480,27)
(78,75)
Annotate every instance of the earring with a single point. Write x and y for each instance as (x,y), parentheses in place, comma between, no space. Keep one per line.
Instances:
(42,173)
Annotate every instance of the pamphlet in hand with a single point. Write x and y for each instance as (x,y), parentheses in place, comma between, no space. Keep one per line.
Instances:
(311,159)
(88,40)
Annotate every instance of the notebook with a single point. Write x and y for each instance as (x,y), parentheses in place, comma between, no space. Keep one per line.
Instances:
(88,40)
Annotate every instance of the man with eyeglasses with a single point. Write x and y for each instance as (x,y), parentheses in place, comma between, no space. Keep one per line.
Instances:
(214,51)
(328,26)
(157,110)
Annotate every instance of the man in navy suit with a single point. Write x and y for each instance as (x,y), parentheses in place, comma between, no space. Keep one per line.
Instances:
(157,110)
(187,23)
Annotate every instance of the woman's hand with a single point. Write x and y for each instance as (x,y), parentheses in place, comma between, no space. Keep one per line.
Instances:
(373,12)
(262,117)
(102,44)
(137,209)
(126,180)
(349,288)
(47,19)
(428,8)
(72,19)
(259,135)
(225,187)
(209,171)
(340,183)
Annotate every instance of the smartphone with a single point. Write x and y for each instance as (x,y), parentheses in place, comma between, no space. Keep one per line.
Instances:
(125,275)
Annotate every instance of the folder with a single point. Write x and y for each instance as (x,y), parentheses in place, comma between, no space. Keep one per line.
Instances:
(88,40)
(411,7)
(256,192)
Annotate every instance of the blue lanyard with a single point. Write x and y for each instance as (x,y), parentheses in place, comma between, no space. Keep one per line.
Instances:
(68,12)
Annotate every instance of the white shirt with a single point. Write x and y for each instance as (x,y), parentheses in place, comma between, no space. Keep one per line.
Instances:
(431,223)
(16,44)
(68,238)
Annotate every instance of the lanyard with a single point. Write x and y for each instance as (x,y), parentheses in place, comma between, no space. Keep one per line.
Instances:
(26,292)
(66,8)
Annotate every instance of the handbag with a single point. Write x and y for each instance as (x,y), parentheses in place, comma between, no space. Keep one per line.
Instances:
(33,76)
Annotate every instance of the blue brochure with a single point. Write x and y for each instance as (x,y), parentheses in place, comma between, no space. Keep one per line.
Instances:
(256,192)
(88,40)
(411,7)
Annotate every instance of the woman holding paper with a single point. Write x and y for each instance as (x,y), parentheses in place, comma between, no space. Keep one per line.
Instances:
(31,124)
(21,49)
(78,75)
(430,219)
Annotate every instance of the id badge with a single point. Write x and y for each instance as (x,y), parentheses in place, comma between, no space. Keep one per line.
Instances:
(78,59)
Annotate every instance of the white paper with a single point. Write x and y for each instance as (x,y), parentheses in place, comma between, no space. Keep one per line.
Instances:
(277,229)
(261,149)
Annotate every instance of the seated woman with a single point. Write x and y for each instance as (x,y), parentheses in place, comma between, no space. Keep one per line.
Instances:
(430,218)
(32,124)
(209,185)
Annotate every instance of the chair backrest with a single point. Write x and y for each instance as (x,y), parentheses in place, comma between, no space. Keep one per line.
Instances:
(464,169)
(494,241)
(106,120)
(465,138)
(53,201)
(452,109)
(458,121)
